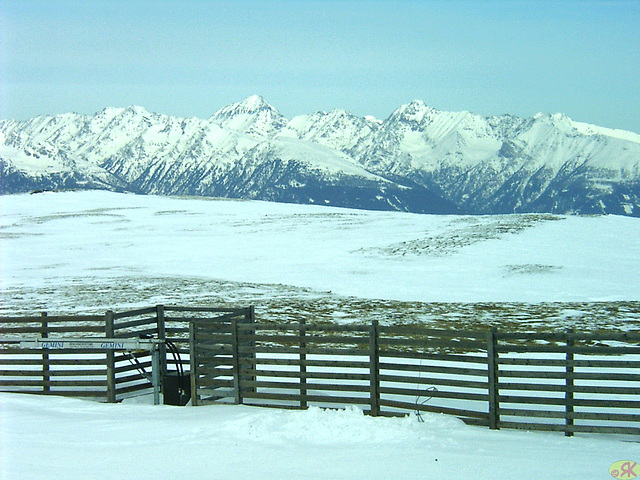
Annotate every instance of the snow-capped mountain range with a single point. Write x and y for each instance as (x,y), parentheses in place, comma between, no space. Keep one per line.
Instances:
(419,159)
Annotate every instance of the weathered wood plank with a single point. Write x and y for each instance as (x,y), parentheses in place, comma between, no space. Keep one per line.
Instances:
(132,388)
(434,343)
(435,381)
(415,392)
(616,430)
(585,350)
(374,369)
(214,349)
(21,373)
(419,368)
(617,363)
(492,380)
(525,412)
(53,373)
(435,409)
(339,387)
(432,332)
(39,330)
(237,386)
(545,427)
(303,364)
(215,382)
(578,402)
(54,319)
(177,308)
(576,336)
(599,376)
(136,377)
(305,375)
(246,349)
(52,361)
(53,382)
(309,327)
(547,387)
(37,351)
(309,398)
(337,363)
(224,317)
(541,387)
(605,416)
(296,339)
(134,313)
(561,414)
(531,400)
(135,366)
(136,323)
(110,356)
(174,330)
(450,357)
(65,393)
(585,402)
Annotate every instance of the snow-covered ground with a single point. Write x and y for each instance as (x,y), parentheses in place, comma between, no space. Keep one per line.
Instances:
(75,439)
(55,239)
(93,251)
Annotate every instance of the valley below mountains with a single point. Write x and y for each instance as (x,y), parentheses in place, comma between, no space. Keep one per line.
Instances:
(417,160)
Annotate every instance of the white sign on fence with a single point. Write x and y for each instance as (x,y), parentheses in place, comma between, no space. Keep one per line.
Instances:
(90,343)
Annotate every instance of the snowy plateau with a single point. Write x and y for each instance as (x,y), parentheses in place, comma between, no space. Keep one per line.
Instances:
(87,251)
(73,252)
(417,160)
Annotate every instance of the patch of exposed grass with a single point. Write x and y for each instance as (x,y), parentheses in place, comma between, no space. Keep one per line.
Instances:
(281,303)
(464,232)
(530,269)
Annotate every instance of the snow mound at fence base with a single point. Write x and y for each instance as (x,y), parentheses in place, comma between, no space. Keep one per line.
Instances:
(350,426)
(54,437)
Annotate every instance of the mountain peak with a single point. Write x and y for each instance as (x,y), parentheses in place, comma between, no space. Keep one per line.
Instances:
(115,111)
(255,102)
(253,116)
(250,105)
(416,111)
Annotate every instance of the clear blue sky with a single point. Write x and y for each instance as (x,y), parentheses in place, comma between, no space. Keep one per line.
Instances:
(189,58)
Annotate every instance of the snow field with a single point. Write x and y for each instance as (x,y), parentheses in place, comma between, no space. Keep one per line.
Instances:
(53,239)
(73,439)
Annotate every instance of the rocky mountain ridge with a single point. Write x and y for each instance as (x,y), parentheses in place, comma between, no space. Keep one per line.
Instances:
(419,159)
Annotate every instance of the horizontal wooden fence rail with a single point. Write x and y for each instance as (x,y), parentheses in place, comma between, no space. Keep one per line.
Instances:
(566,382)
(58,372)
(106,375)
(569,382)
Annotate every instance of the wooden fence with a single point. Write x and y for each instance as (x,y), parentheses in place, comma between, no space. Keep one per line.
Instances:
(567,382)
(106,375)
(60,372)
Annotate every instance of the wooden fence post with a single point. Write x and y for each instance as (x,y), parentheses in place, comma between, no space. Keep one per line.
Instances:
(374,368)
(111,364)
(46,375)
(492,360)
(252,362)
(569,386)
(236,362)
(193,364)
(162,335)
(303,364)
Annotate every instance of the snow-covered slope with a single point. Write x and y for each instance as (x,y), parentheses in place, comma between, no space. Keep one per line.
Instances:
(45,437)
(55,240)
(419,159)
